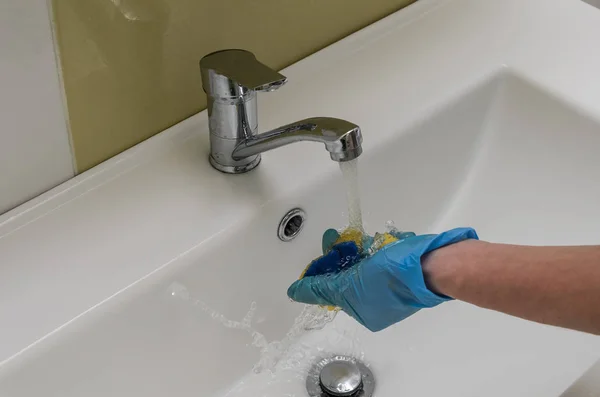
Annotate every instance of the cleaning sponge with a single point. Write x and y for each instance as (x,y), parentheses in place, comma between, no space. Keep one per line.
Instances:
(344,249)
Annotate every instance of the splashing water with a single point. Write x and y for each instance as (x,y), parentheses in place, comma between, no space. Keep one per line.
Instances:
(390,227)
(289,376)
(311,318)
(350,174)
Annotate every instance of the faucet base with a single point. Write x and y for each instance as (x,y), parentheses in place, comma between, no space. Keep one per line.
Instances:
(253,162)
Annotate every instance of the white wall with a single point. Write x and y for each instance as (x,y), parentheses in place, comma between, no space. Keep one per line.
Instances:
(35,153)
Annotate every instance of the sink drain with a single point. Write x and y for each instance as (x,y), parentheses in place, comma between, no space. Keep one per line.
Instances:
(291,224)
(340,376)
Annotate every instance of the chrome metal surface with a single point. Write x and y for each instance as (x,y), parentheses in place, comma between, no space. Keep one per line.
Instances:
(231,79)
(340,376)
(291,225)
(342,138)
(235,169)
(231,74)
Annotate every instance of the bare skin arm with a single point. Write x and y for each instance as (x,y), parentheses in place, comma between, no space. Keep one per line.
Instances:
(551,285)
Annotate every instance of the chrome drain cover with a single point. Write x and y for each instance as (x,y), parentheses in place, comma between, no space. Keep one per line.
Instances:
(291,225)
(340,376)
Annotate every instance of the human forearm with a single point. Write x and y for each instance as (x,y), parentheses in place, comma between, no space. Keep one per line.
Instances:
(552,285)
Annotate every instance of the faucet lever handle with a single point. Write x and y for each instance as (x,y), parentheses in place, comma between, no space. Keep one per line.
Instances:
(242,68)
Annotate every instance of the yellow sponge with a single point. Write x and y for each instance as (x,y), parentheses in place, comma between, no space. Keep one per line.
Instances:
(386,239)
(356,235)
(351,234)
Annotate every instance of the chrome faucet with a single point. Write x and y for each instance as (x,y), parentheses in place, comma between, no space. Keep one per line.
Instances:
(231,79)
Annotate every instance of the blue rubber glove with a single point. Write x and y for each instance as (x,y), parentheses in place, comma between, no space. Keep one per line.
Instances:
(382,289)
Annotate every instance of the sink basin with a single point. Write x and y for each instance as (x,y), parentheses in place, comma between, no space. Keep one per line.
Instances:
(135,279)
(501,157)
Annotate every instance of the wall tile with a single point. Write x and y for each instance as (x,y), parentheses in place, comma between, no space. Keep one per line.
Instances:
(35,154)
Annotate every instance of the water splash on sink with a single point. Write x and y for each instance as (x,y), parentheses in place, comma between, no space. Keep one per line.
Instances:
(311,318)
(288,377)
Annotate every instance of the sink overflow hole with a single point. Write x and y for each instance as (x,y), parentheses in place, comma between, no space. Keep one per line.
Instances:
(291,225)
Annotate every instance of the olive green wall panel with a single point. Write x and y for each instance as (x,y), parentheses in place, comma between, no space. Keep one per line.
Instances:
(130,67)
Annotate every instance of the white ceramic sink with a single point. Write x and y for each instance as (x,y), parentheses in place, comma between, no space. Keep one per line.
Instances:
(102,278)
(462,166)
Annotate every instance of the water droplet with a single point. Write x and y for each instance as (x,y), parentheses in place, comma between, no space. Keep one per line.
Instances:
(178,290)
(390,227)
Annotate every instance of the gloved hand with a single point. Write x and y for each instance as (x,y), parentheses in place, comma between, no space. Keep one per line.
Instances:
(380,290)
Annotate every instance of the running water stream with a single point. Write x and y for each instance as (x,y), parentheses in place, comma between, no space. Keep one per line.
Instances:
(350,175)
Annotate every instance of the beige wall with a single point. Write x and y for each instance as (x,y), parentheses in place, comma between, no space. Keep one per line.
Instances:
(130,67)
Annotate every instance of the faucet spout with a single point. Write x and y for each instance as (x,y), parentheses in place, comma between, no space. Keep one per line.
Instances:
(342,139)
(231,80)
